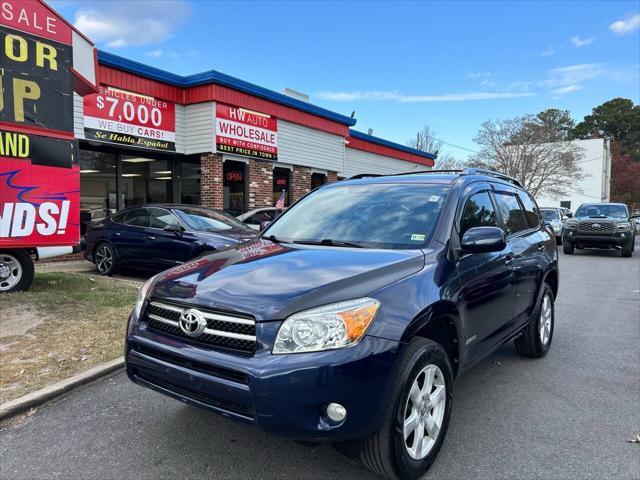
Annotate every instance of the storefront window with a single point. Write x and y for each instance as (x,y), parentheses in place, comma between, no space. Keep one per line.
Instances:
(97,186)
(146,180)
(318,179)
(281,181)
(234,197)
(190,181)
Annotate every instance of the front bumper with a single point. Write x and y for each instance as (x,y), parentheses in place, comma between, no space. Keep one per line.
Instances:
(282,394)
(611,240)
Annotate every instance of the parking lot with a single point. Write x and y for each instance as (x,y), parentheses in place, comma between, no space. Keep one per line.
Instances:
(568,415)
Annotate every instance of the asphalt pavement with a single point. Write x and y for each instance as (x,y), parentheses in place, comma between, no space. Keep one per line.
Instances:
(568,415)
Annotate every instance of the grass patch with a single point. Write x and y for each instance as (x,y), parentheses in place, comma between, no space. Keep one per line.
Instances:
(66,323)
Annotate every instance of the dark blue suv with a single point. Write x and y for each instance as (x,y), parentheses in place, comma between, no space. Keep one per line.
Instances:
(351,315)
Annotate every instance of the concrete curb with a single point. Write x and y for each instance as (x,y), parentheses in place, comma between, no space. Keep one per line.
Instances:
(49,392)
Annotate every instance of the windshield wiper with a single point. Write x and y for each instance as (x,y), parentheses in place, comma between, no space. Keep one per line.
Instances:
(329,242)
(272,238)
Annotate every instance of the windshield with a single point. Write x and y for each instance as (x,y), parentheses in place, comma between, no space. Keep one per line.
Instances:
(602,211)
(550,214)
(393,216)
(208,220)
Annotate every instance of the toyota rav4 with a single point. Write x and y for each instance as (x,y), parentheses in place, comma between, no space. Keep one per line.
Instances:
(348,319)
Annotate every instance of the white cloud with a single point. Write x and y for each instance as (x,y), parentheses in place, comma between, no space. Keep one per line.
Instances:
(549,51)
(628,25)
(155,53)
(134,22)
(582,42)
(572,75)
(480,75)
(565,90)
(396,96)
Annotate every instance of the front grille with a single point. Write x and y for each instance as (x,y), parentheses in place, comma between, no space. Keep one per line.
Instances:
(216,371)
(220,403)
(596,227)
(223,330)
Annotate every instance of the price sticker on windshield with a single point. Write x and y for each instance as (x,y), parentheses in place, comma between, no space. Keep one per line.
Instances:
(418,237)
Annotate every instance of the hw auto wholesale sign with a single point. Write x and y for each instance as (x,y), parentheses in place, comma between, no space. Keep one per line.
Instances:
(127,118)
(39,180)
(247,133)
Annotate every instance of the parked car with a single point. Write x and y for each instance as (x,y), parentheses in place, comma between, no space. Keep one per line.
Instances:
(256,218)
(600,225)
(348,319)
(157,237)
(555,217)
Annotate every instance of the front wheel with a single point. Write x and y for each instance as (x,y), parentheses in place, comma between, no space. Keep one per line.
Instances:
(627,248)
(535,340)
(416,423)
(16,270)
(567,247)
(105,259)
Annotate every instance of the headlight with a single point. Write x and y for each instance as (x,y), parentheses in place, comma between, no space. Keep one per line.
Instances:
(572,223)
(624,226)
(556,225)
(142,295)
(324,328)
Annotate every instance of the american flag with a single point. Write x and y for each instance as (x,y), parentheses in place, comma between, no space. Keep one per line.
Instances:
(280,202)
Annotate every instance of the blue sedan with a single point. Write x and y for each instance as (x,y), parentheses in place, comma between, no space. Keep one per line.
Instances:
(157,237)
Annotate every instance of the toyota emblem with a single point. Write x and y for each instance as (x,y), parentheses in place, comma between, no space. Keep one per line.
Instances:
(192,322)
(595,225)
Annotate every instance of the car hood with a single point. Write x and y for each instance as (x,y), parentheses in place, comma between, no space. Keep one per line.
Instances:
(222,236)
(271,281)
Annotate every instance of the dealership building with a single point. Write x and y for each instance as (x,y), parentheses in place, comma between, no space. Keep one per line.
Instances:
(211,139)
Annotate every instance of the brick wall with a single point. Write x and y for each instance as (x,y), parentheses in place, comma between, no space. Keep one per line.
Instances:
(300,182)
(72,257)
(332,177)
(260,184)
(211,180)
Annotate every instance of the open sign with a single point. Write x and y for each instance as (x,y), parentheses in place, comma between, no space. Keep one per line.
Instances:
(234,176)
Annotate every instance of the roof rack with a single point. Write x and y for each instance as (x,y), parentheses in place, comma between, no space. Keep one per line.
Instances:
(466,171)
(491,173)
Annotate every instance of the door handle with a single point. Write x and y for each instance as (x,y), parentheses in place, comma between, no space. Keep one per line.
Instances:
(509,259)
(151,237)
(118,234)
(541,247)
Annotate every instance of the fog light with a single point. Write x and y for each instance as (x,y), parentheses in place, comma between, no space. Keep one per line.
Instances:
(336,412)
(623,235)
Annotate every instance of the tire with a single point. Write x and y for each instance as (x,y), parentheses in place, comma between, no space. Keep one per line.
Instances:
(627,248)
(536,338)
(568,247)
(16,271)
(558,240)
(387,452)
(105,259)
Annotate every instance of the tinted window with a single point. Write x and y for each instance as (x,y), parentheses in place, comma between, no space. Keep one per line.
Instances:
(478,212)
(391,216)
(259,217)
(550,214)
(138,217)
(530,210)
(512,213)
(598,210)
(160,218)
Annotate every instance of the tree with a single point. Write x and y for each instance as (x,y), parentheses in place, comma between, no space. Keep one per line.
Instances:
(527,149)
(625,178)
(617,119)
(425,142)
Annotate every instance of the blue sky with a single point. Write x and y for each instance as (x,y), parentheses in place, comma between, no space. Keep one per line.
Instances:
(400,65)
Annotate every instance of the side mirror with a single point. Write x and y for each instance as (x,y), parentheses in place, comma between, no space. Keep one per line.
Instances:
(569,214)
(173,227)
(265,224)
(483,240)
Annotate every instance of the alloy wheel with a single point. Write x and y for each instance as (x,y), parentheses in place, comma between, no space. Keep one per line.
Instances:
(424,412)
(10,272)
(104,259)
(546,319)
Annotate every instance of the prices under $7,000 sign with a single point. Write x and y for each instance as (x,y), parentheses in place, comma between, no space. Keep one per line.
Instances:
(127,118)
(247,133)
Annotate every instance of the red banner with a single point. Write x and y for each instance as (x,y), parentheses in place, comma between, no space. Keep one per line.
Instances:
(33,16)
(247,133)
(40,204)
(117,116)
